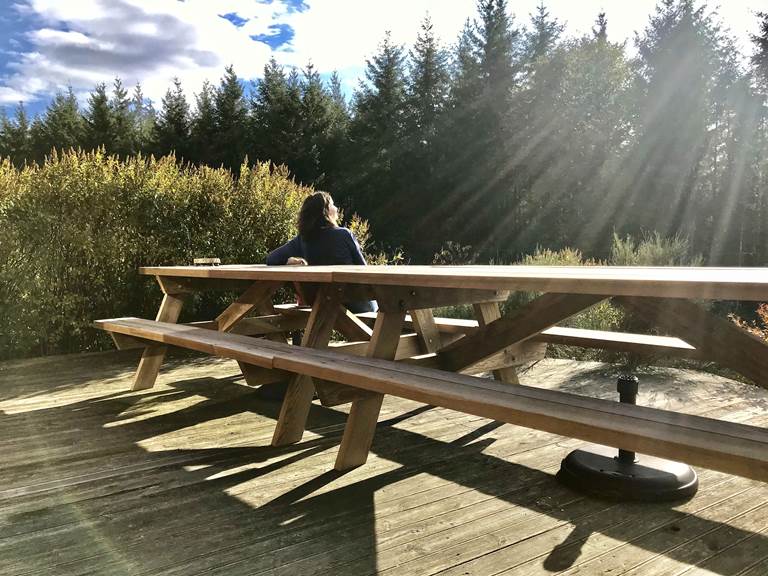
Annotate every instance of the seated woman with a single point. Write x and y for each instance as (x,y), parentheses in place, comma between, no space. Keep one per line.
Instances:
(322,242)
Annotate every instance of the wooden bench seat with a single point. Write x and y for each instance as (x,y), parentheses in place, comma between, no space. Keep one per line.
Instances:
(204,340)
(728,447)
(618,341)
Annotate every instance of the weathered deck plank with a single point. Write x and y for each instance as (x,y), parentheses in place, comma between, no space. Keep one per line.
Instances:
(180,479)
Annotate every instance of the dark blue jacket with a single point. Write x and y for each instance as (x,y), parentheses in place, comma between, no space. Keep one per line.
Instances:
(329,246)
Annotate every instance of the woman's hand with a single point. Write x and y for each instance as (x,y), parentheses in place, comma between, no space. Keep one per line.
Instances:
(293,261)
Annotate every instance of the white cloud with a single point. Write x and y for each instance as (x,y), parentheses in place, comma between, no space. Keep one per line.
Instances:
(48,37)
(81,42)
(11,94)
(88,41)
(85,42)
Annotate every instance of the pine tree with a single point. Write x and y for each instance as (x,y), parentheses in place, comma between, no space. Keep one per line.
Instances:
(143,114)
(428,87)
(15,141)
(426,101)
(265,108)
(735,207)
(476,172)
(124,129)
(380,103)
(316,123)
(497,41)
(276,116)
(760,57)
(375,134)
(544,33)
(203,127)
(332,154)
(575,129)
(600,30)
(99,126)
(60,127)
(536,138)
(231,121)
(172,126)
(753,237)
(337,94)
(466,75)
(686,65)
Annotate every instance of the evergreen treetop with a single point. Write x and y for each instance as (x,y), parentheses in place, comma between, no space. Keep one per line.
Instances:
(99,126)
(60,126)
(544,33)
(760,57)
(172,126)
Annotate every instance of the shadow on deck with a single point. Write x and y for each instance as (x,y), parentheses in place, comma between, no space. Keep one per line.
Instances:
(181,479)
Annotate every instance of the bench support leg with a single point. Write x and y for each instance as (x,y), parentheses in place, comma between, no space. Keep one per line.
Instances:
(364,414)
(259,296)
(352,328)
(298,398)
(153,355)
(425,327)
(487,312)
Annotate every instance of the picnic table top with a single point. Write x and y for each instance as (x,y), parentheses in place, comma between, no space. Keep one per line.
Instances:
(671,282)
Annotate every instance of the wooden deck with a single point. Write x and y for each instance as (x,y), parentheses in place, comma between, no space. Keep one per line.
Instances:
(181,480)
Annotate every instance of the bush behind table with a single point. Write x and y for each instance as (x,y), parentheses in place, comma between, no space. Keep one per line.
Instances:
(74,230)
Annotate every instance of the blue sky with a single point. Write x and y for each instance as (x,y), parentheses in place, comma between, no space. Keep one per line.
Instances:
(47,45)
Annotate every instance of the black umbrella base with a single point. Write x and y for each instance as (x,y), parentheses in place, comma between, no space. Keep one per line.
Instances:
(598,472)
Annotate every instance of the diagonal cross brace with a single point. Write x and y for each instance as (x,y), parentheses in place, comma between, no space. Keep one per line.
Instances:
(540,314)
(255,296)
(716,338)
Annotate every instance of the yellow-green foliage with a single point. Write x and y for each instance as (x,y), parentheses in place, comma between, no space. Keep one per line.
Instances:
(74,230)
(453,253)
(603,316)
(547,257)
(653,249)
(362,231)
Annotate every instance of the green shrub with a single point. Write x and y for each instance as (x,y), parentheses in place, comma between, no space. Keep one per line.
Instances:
(547,257)
(454,253)
(74,230)
(653,249)
(362,231)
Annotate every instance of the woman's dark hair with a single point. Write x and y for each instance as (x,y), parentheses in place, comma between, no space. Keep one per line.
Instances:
(315,214)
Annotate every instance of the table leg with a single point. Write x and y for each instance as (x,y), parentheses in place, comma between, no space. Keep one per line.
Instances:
(364,414)
(298,397)
(487,312)
(153,355)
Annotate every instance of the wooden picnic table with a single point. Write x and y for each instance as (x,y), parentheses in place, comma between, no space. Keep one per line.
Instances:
(666,298)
